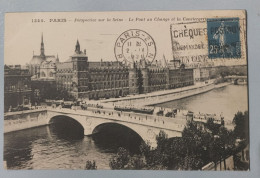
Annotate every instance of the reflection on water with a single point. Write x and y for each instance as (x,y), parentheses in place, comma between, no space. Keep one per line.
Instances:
(51,147)
(109,135)
(63,146)
(227,100)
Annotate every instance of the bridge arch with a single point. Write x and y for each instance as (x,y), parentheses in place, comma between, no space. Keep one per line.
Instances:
(126,128)
(92,123)
(66,127)
(147,134)
(60,117)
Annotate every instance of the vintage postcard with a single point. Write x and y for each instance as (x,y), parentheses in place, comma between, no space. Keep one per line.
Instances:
(144,90)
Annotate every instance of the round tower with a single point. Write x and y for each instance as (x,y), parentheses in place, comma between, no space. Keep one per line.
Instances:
(133,80)
(145,82)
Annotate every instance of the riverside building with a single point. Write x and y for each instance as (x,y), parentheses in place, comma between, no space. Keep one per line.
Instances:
(17,87)
(42,67)
(82,78)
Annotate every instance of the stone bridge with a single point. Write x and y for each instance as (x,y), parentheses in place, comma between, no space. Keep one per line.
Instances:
(235,79)
(146,126)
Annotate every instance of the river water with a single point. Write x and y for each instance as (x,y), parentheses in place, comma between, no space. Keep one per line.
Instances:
(226,100)
(58,147)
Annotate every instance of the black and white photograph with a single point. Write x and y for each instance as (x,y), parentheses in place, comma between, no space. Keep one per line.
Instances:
(126,90)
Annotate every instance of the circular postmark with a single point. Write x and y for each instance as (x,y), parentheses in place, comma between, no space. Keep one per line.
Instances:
(135,45)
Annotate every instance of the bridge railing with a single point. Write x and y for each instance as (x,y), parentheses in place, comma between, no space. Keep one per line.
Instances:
(40,108)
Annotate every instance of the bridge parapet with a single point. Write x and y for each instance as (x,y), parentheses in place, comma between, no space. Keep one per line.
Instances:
(146,126)
(14,121)
(173,124)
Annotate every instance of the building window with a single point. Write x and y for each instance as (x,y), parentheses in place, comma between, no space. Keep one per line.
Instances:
(43,74)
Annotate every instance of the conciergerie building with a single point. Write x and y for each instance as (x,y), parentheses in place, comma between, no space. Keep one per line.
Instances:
(85,79)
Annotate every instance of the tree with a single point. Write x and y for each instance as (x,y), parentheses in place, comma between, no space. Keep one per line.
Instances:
(63,94)
(192,162)
(120,160)
(185,153)
(145,149)
(124,161)
(196,147)
(91,165)
(136,162)
(215,150)
(161,140)
(176,152)
(153,158)
(156,158)
(189,152)
(214,128)
(223,71)
(226,143)
(241,121)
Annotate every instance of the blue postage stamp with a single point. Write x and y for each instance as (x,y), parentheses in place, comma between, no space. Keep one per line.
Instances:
(223,38)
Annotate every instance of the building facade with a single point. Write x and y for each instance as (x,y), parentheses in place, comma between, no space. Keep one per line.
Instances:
(42,69)
(82,78)
(201,74)
(107,80)
(93,80)
(42,66)
(47,69)
(17,87)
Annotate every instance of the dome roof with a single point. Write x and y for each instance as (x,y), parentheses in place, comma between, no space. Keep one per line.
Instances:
(36,60)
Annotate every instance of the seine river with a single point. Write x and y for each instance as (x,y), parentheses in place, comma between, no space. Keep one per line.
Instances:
(60,146)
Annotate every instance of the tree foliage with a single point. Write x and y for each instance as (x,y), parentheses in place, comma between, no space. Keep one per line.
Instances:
(199,145)
(120,160)
(91,165)
(63,94)
(45,90)
(212,127)
(136,162)
(241,121)
(224,71)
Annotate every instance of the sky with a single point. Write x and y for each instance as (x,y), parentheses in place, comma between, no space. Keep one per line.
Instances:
(23,34)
